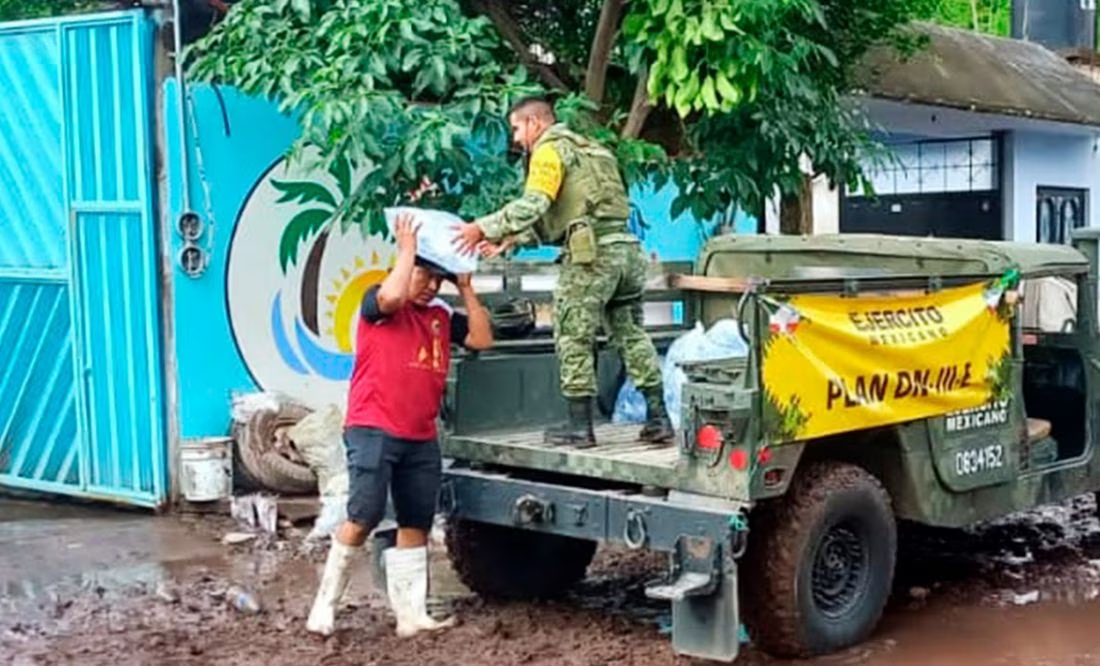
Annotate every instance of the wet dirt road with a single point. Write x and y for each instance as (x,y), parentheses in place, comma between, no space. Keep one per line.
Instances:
(97,586)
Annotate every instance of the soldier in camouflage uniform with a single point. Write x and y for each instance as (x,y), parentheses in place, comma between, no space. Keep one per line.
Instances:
(575,196)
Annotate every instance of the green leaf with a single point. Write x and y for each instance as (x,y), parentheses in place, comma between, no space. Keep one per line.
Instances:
(711,30)
(412,59)
(634,25)
(726,89)
(709,98)
(727,20)
(304,192)
(679,70)
(679,206)
(301,8)
(300,228)
(683,103)
(341,170)
(376,221)
(692,87)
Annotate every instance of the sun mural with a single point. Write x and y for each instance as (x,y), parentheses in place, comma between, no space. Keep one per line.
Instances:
(347,294)
(295,281)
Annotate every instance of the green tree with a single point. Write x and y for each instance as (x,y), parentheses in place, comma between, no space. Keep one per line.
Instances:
(989,16)
(13,10)
(741,93)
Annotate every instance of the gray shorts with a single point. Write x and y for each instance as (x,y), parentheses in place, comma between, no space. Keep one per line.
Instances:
(380,464)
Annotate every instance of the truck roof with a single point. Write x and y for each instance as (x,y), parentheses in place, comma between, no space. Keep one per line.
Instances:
(865,255)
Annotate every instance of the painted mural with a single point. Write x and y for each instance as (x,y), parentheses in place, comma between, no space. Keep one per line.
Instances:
(274,308)
(301,276)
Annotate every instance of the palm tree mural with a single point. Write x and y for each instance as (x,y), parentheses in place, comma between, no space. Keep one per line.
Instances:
(307,223)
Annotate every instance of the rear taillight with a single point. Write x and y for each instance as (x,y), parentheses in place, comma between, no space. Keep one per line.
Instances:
(709,438)
(739,459)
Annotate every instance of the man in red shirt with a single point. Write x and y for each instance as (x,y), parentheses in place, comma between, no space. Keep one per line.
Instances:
(402,357)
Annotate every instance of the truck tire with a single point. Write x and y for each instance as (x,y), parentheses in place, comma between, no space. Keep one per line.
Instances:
(259,464)
(820,562)
(510,564)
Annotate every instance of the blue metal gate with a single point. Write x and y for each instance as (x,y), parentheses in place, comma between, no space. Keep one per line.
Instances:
(81,398)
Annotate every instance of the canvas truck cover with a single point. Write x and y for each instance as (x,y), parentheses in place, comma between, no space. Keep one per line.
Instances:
(832,364)
(862,255)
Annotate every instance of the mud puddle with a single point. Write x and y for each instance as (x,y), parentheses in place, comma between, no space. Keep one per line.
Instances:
(112,587)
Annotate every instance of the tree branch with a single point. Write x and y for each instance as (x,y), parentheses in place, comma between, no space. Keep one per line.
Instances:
(595,79)
(511,33)
(640,108)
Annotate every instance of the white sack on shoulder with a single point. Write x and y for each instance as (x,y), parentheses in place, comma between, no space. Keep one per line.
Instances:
(433,241)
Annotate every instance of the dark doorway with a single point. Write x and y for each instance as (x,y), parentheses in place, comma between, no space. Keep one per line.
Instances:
(947,188)
(944,215)
(1058,212)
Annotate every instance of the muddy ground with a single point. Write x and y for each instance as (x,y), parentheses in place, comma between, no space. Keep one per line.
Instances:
(95,586)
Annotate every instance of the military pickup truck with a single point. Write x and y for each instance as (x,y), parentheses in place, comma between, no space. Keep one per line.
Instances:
(937,381)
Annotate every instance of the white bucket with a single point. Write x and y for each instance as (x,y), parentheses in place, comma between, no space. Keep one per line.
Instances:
(206,469)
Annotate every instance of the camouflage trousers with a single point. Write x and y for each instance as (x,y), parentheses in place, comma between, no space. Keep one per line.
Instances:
(609,292)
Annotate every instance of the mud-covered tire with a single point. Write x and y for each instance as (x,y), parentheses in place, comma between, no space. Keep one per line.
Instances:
(510,564)
(820,562)
(258,466)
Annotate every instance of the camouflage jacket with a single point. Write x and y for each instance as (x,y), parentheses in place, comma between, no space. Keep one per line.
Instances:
(569,177)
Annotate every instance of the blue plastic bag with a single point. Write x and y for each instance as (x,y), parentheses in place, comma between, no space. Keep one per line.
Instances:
(723,340)
(629,405)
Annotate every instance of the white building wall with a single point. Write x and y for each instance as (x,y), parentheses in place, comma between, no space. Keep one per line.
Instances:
(826,207)
(1036,159)
(1035,154)
(826,204)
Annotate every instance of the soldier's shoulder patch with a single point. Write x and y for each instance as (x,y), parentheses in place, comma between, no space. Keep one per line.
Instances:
(546,171)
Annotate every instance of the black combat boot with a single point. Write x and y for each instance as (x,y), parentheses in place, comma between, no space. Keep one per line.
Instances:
(577,431)
(657,429)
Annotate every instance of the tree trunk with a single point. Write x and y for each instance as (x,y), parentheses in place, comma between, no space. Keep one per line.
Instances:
(796,213)
(512,34)
(639,108)
(595,79)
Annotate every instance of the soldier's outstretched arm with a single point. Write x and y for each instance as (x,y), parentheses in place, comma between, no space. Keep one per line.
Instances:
(544,178)
(516,217)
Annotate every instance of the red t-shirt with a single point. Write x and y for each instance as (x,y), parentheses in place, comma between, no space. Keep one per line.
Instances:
(401,366)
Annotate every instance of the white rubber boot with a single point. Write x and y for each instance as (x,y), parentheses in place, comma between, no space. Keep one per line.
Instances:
(407,586)
(322,618)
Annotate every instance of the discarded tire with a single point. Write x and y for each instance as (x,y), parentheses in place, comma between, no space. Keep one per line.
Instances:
(820,562)
(264,458)
(511,564)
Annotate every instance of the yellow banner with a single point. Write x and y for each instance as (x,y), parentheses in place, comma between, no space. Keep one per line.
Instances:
(834,364)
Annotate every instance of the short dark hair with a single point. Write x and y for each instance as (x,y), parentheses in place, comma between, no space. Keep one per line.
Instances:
(535,105)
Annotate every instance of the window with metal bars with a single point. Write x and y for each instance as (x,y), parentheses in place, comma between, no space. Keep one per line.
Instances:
(923,167)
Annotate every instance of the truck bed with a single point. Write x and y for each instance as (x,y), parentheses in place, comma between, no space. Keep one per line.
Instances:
(618,455)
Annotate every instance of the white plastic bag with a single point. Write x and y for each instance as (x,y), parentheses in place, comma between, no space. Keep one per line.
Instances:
(723,340)
(434,240)
(319,439)
(726,335)
(245,405)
